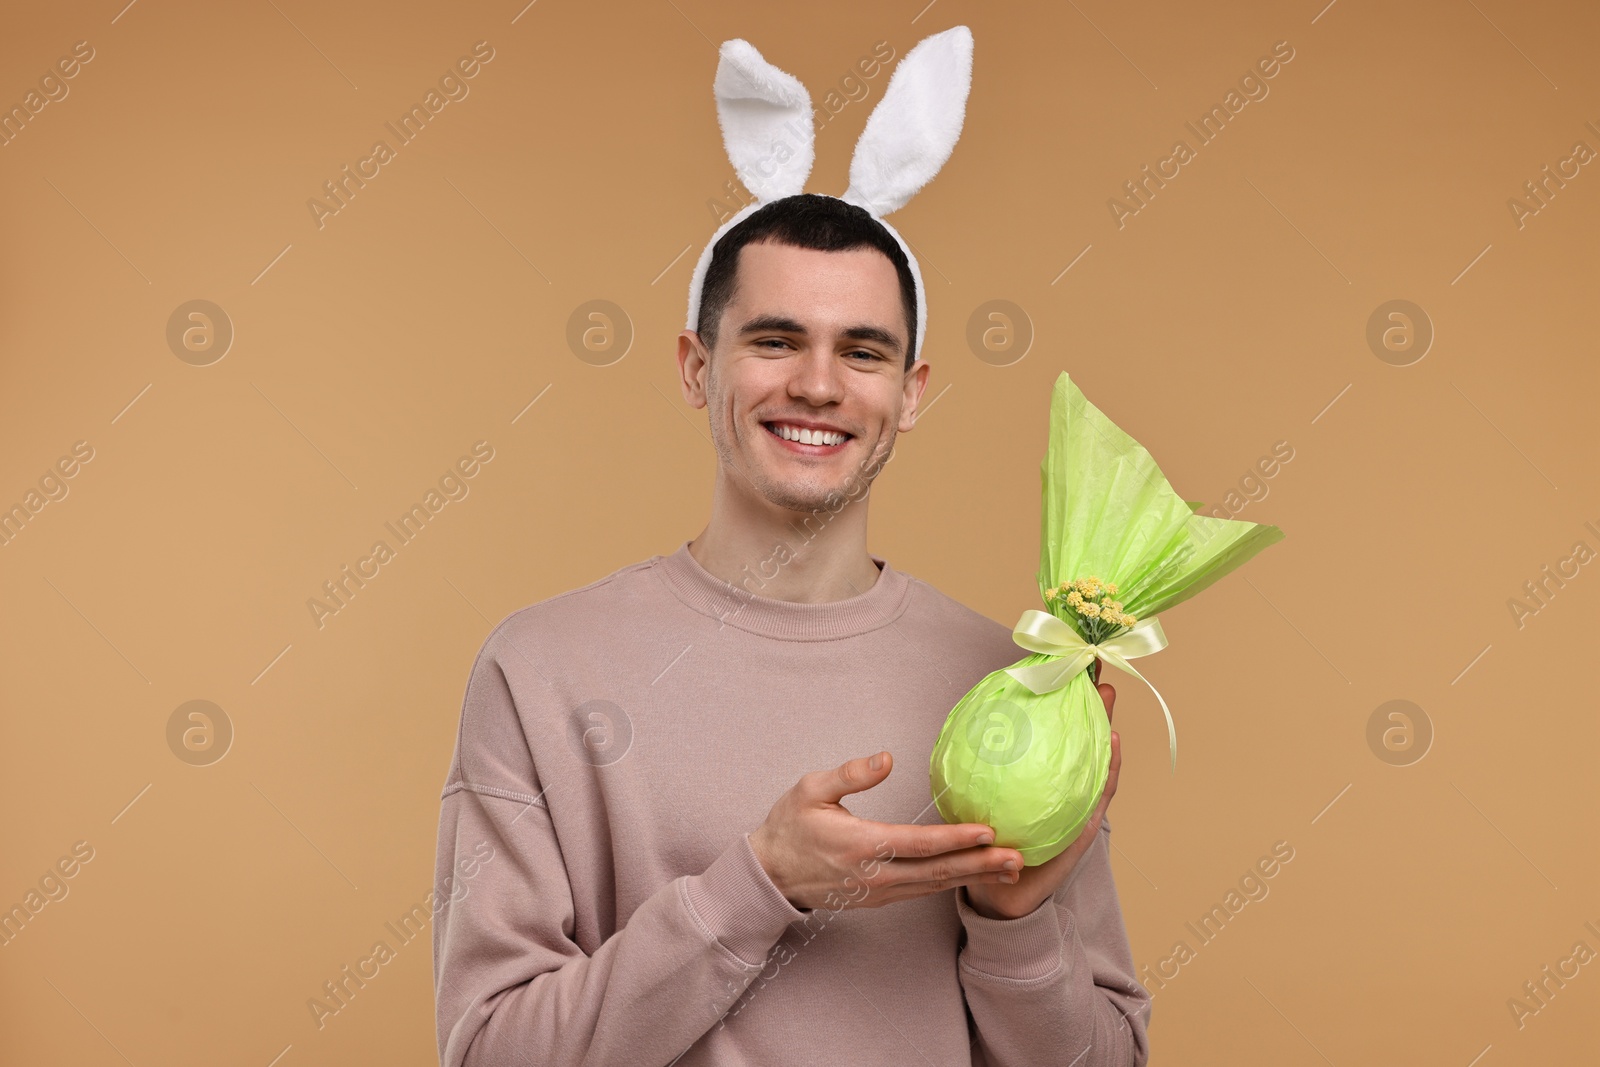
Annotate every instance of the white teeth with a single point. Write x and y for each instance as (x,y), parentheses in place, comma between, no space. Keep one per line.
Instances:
(808,437)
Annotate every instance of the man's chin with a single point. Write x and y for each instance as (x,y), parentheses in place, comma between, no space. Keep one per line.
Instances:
(807,499)
(809,495)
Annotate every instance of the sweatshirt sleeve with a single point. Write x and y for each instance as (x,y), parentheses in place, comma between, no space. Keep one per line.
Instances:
(511,986)
(1057,986)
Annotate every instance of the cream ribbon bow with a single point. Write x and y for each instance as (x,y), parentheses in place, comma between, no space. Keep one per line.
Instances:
(1039,631)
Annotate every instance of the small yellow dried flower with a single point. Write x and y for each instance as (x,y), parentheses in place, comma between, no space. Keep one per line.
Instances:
(1100,620)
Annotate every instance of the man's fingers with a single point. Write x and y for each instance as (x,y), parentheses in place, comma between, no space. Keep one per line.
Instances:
(891,893)
(1091,828)
(952,868)
(1108,696)
(911,841)
(1116,769)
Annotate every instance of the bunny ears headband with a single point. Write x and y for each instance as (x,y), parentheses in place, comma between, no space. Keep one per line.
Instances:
(766,121)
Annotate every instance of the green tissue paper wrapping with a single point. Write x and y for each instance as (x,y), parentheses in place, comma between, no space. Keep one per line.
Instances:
(1028,750)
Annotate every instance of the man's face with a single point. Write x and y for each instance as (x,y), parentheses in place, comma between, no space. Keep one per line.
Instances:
(811,340)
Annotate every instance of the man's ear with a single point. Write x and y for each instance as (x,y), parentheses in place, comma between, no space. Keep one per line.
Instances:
(694,363)
(915,382)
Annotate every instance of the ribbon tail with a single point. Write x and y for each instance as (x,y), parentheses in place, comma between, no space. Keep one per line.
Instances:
(1117,661)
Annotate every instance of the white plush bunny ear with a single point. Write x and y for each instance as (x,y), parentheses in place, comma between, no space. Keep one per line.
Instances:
(766,122)
(912,131)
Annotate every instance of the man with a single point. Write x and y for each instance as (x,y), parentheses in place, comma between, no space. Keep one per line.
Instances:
(659,759)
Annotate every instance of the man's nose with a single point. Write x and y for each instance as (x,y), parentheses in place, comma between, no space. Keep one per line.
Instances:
(817,376)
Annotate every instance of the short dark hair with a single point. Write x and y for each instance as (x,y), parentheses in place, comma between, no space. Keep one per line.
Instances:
(805,220)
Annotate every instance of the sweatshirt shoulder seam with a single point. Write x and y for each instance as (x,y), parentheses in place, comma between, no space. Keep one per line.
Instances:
(490,791)
(971,612)
(596,584)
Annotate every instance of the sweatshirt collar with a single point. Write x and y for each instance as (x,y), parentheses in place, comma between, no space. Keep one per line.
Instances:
(743,606)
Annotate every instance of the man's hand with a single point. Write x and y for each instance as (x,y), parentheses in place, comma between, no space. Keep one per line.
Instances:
(820,855)
(1038,882)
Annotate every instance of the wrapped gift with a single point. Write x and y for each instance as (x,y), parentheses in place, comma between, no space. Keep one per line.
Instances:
(1028,750)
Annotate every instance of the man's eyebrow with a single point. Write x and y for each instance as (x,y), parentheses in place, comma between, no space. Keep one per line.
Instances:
(783,324)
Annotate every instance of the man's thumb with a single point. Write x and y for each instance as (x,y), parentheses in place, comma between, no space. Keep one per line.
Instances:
(855,775)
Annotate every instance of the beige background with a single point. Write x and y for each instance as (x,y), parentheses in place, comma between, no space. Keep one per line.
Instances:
(1228,315)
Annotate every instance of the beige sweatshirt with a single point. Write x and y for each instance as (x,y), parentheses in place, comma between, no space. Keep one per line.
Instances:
(618,744)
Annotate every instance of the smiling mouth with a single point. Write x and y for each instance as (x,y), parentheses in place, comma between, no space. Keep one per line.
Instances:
(807,442)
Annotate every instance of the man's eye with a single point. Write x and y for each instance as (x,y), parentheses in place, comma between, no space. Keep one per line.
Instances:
(867,352)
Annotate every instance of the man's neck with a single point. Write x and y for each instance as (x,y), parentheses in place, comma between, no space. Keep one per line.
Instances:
(800,557)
